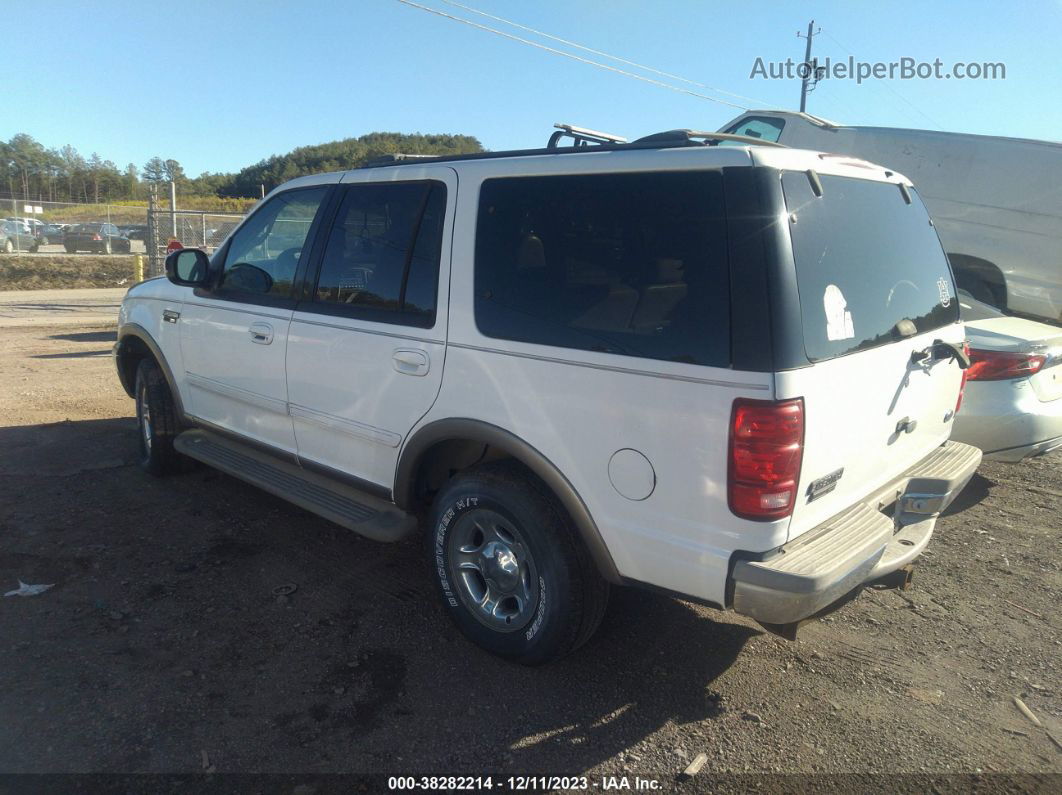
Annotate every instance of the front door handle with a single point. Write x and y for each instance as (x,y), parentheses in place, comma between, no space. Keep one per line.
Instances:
(262,333)
(410,361)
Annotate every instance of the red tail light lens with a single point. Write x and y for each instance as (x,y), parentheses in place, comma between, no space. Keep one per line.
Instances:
(766,449)
(97,237)
(965,377)
(1001,365)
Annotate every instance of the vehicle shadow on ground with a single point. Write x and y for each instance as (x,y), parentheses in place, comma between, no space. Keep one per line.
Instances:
(976,491)
(71,355)
(172,591)
(87,336)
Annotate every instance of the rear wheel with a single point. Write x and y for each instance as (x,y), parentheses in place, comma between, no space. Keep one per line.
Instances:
(108,248)
(511,571)
(8,246)
(156,417)
(71,249)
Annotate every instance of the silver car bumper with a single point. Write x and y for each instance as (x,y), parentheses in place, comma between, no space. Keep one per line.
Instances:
(855,547)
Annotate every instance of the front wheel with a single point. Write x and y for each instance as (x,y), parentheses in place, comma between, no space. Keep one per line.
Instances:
(511,570)
(156,417)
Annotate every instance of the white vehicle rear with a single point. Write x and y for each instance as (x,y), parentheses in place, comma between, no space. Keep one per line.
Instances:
(995,200)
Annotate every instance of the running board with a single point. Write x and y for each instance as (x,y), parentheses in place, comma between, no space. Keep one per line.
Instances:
(345,505)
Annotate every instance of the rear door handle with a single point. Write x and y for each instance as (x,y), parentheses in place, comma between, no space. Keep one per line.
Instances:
(410,361)
(262,333)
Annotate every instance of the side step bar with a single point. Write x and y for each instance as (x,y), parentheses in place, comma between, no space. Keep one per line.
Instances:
(345,505)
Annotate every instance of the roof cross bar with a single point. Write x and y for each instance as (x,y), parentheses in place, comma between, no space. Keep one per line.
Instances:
(581,136)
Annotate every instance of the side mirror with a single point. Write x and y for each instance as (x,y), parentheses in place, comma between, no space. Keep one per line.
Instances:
(188,267)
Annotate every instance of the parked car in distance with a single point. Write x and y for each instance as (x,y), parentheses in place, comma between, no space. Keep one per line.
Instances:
(728,373)
(994,200)
(50,234)
(15,237)
(98,237)
(135,231)
(1012,404)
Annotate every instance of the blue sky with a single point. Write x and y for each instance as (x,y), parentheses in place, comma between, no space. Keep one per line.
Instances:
(222,84)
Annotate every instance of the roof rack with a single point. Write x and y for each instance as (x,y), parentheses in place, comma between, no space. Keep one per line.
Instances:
(581,136)
(678,136)
(395,157)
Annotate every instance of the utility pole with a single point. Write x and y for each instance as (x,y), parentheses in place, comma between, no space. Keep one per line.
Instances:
(808,68)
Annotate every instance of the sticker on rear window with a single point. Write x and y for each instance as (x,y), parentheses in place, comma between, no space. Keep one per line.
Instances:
(945,292)
(839,325)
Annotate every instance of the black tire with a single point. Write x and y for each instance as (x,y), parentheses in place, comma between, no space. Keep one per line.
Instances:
(157,423)
(565,595)
(71,249)
(108,248)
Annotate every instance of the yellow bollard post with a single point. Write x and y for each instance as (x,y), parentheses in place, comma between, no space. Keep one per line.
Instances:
(139,267)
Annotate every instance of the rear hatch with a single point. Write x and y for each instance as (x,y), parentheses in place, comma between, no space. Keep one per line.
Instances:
(877,298)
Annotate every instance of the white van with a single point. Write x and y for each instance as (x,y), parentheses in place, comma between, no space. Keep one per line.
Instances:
(996,202)
(727,373)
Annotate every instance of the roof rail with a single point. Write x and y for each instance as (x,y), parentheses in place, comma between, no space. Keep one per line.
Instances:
(671,136)
(395,157)
(581,136)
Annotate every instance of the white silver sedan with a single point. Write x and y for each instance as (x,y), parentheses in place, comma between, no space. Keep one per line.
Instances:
(1012,404)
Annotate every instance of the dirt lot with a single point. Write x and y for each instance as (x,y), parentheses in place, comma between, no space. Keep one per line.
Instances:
(163,646)
(40,271)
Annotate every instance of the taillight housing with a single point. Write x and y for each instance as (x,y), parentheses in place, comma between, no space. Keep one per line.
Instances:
(765,452)
(965,377)
(1003,365)
(97,237)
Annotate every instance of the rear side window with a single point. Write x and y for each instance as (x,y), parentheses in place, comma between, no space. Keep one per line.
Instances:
(631,264)
(865,260)
(757,127)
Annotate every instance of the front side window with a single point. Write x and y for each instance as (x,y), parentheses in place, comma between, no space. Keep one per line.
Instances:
(865,261)
(381,261)
(762,127)
(264,254)
(632,264)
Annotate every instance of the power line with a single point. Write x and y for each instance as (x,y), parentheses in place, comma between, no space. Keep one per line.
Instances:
(918,110)
(584,48)
(574,57)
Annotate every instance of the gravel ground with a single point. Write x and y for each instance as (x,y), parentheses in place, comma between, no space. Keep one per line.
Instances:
(167,645)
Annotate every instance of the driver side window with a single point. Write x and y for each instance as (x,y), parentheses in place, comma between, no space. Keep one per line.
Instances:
(264,254)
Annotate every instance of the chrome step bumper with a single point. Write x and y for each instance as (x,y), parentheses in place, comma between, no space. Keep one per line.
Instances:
(346,506)
(855,547)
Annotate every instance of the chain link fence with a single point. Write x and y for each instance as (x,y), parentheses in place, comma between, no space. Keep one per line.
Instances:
(187,228)
(59,245)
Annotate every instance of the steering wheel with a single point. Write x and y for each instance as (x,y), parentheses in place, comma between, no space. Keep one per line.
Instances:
(286,262)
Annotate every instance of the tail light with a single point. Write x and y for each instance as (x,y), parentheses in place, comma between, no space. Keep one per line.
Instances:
(97,237)
(766,449)
(965,377)
(1002,365)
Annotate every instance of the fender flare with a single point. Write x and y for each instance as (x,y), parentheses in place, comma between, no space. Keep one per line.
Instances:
(140,333)
(478,431)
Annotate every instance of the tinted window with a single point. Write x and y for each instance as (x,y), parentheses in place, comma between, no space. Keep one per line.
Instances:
(761,127)
(632,264)
(865,260)
(382,257)
(265,252)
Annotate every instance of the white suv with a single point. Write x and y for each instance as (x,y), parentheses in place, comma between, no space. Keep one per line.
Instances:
(727,372)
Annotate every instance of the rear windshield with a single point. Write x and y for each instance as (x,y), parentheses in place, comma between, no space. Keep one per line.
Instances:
(865,260)
(86,228)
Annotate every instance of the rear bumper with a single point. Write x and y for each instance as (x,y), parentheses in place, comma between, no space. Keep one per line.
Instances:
(855,547)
